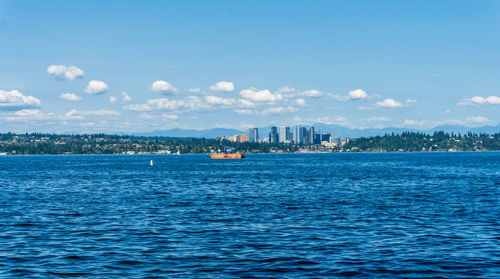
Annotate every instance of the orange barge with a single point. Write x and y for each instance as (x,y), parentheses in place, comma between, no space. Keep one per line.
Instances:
(227,156)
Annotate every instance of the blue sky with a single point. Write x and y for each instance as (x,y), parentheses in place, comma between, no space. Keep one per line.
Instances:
(117,66)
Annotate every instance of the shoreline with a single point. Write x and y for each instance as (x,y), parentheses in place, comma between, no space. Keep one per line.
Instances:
(273,153)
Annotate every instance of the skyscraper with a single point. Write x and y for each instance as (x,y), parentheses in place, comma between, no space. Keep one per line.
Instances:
(326,137)
(317,137)
(310,136)
(300,135)
(273,135)
(285,135)
(253,135)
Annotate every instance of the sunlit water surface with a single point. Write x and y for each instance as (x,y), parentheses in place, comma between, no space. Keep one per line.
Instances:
(407,215)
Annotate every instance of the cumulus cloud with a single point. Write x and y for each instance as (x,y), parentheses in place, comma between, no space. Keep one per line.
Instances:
(126,97)
(161,86)
(312,93)
(138,107)
(411,101)
(286,89)
(246,103)
(190,103)
(166,104)
(300,102)
(62,72)
(29,115)
(70,97)
(16,100)
(79,115)
(353,95)
(389,103)
(113,99)
(260,95)
(357,94)
(96,87)
(478,100)
(219,101)
(225,86)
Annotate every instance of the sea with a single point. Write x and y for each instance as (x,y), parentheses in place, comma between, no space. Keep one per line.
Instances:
(361,215)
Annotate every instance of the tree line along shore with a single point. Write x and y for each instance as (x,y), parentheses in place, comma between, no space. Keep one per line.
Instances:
(40,144)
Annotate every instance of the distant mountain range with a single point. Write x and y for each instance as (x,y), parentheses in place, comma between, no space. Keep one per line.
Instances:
(335,130)
(191,133)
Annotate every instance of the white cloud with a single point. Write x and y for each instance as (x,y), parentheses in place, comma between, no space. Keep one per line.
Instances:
(357,94)
(225,86)
(62,72)
(72,114)
(378,119)
(219,101)
(96,87)
(79,115)
(244,111)
(70,97)
(278,110)
(29,115)
(271,110)
(113,99)
(410,122)
(126,97)
(190,103)
(389,103)
(164,116)
(16,100)
(338,120)
(312,93)
(286,89)
(194,90)
(260,95)
(101,112)
(161,86)
(169,116)
(138,107)
(300,102)
(478,100)
(447,111)
(411,101)
(166,104)
(246,103)
(477,119)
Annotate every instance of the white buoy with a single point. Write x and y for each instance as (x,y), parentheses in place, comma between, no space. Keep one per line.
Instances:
(151,163)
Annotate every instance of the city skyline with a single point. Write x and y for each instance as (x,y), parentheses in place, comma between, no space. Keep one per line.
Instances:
(100,66)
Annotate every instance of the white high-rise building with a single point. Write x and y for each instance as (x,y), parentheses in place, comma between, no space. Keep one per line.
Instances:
(285,135)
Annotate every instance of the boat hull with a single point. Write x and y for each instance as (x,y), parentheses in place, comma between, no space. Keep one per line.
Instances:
(227,156)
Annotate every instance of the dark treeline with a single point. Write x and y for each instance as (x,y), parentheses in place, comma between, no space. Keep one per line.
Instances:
(439,141)
(36,143)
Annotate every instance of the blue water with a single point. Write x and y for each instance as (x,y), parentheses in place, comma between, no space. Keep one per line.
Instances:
(408,215)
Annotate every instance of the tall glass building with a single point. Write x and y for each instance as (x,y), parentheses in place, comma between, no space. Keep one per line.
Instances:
(300,135)
(285,135)
(253,135)
(273,135)
(310,136)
